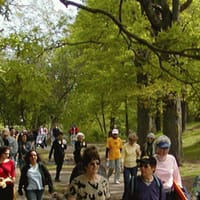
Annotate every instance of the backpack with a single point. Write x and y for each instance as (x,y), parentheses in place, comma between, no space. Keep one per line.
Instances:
(133,185)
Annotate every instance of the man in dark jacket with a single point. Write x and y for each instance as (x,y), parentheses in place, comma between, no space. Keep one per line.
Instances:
(58,150)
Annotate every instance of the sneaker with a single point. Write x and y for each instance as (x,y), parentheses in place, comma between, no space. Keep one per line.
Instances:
(117,182)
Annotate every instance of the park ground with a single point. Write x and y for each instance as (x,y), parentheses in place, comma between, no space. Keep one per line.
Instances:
(60,187)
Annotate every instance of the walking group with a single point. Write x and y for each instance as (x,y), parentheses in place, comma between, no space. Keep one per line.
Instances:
(149,171)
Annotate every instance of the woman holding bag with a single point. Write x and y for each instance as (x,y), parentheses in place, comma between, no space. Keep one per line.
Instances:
(7,174)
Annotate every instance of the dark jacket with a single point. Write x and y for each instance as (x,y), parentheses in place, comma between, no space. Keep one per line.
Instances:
(77,152)
(46,178)
(58,148)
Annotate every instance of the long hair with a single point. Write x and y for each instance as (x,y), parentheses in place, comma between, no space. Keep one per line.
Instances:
(28,154)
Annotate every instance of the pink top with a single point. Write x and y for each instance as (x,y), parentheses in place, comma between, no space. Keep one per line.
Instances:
(167,170)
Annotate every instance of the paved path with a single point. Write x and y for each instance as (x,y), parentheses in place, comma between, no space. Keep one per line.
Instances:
(115,189)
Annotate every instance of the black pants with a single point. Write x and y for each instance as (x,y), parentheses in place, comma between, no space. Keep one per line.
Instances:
(7,193)
(59,164)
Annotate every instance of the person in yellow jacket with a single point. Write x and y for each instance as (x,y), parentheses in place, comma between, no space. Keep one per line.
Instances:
(113,154)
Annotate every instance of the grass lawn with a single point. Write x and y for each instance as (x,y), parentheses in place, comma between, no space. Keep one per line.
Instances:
(191,154)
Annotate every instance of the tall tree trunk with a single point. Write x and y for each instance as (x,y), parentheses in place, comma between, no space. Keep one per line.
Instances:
(142,121)
(184,114)
(143,105)
(172,124)
(158,117)
(126,118)
(103,117)
(112,125)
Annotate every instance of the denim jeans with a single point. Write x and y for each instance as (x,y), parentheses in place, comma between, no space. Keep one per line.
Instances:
(114,165)
(128,172)
(34,194)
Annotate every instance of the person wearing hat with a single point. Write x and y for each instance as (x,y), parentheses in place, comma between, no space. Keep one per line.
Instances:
(113,154)
(130,153)
(146,186)
(148,149)
(79,145)
(58,148)
(167,169)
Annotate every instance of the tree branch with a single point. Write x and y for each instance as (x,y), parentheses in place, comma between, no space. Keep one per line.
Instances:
(183,53)
(185,5)
(120,10)
(172,74)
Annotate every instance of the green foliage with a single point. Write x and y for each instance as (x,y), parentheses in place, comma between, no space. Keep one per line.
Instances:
(191,150)
(88,80)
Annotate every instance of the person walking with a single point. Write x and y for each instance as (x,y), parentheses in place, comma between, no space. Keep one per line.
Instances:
(11,142)
(90,184)
(79,168)
(148,149)
(79,145)
(7,174)
(146,186)
(167,169)
(73,131)
(58,150)
(113,155)
(130,153)
(34,176)
(24,147)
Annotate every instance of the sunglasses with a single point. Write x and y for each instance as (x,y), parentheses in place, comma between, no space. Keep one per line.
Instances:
(94,163)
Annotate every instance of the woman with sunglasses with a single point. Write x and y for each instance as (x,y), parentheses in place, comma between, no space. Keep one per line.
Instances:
(7,174)
(89,185)
(34,177)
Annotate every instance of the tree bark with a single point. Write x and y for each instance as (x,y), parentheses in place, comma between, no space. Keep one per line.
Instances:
(172,124)
(142,121)
(126,118)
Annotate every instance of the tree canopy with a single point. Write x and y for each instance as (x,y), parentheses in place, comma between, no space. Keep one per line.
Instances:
(95,67)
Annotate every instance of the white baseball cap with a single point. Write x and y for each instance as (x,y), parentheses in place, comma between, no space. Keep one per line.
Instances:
(115,131)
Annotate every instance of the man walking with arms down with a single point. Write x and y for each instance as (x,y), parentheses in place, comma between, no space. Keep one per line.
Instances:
(113,154)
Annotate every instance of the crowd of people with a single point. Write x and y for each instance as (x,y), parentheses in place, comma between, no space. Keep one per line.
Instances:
(149,172)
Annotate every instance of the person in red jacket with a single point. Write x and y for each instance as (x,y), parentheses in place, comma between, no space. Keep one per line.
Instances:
(7,174)
(73,132)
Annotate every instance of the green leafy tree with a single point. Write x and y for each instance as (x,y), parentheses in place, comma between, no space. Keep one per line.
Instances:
(161,53)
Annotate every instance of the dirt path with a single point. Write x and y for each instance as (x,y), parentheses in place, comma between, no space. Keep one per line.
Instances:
(115,189)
